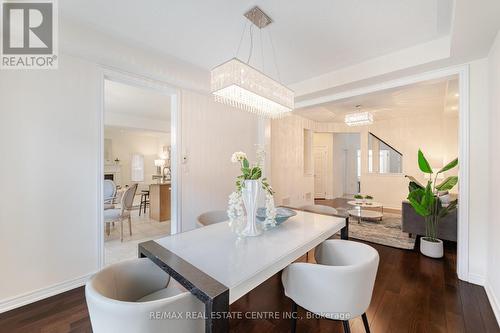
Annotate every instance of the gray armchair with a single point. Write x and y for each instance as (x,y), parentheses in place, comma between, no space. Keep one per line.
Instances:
(414,224)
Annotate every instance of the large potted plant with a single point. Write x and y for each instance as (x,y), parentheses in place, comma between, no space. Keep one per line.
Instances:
(426,203)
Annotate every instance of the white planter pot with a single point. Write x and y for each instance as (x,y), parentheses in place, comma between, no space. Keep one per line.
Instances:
(431,249)
(250,193)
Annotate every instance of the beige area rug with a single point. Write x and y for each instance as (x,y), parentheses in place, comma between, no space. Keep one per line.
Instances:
(386,232)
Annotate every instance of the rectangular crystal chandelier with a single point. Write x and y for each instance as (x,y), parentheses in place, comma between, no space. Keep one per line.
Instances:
(359,119)
(240,85)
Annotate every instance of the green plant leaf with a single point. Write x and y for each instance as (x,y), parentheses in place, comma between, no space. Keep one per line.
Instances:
(449,166)
(428,199)
(416,183)
(446,210)
(447,184)
(417,194)
(423,164)
(419,209)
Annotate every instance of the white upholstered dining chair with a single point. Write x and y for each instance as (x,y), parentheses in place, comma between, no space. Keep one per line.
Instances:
(128,296)
(211,217)
(339,286)
(319,209)
(119,214)
(109,193)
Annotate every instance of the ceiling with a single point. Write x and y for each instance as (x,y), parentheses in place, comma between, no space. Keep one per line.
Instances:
(135,101)
(426,97)
(310,38)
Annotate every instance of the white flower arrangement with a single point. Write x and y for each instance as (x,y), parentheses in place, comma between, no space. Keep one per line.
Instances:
(270,211)
(235,210)
(238,156)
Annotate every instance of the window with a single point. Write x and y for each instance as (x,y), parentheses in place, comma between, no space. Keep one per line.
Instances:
(370,160)
(137,172)
(384,161)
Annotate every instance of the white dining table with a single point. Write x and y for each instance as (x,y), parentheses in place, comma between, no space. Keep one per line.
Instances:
(219,268)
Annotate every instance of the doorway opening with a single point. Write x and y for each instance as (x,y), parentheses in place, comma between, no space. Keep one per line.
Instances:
(428,113)
(336,165)
(139,165)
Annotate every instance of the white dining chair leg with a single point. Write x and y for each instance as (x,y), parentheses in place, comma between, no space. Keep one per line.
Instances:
(121,230)
(130,225)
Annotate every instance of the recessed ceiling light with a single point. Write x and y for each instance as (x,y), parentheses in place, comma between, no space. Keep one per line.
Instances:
(454,108)
(457,94)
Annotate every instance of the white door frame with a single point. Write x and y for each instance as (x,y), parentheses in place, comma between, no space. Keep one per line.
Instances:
(175,143)
(463,136)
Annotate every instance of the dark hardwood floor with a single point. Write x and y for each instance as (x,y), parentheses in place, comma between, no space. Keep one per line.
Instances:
(412,294)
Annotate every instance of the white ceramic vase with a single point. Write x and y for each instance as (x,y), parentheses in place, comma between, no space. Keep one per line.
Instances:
(250,193)
(431,249)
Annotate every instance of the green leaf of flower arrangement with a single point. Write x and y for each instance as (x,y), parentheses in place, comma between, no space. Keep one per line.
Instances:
(256,173)
(246,173)
(246,164)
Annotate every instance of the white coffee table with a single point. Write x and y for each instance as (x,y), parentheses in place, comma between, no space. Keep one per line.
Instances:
(361,213)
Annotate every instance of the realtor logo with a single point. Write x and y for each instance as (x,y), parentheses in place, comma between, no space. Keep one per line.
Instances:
(29,35)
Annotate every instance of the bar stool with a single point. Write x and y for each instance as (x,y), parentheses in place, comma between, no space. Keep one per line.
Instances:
(144,201)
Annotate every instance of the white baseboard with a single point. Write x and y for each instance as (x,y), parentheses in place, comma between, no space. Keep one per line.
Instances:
(477,279)
(20,300)
(495,304)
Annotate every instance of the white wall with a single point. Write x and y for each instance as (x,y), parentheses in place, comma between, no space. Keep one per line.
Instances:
(479,170)
(125,143)
(292,186)
(211,133)
(493,278)
(49,126)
